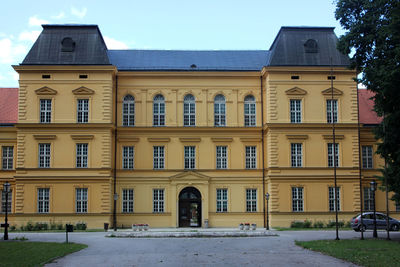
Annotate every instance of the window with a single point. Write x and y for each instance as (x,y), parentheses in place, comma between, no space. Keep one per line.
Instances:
(158,111)
(44,155)
(219,111)
(333,154)
(251,162)
(367,162)
(128,111)
(127,157)
(295,111)
(296,154)
(221,157)
(297,199)
(43,200)
(3,201)
(331,110)
(251,200)
(190,157)
(127,200)
(332,198)
(397,206)
(368,199)
(158,200)
(83,110)
(45,110)
(222,200)
(7,157)
(81,200)
(158,157)
(189,111)
(81,155)
(249,111)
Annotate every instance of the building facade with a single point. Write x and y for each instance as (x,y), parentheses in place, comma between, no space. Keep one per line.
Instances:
(185,138)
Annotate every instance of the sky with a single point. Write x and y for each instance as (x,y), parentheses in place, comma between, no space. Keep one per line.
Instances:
(159,24)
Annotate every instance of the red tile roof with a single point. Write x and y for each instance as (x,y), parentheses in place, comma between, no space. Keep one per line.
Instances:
(8,105)
(366,107)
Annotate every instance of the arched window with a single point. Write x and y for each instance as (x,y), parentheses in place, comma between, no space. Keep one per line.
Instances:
(249,111)
(128,111)
(158,111)
(219,111)
(189,111)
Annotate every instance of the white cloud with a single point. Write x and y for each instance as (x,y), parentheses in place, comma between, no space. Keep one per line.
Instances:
(79,13)
(35,21)
(29,36)
(10,52)
(61,15)
(114,44)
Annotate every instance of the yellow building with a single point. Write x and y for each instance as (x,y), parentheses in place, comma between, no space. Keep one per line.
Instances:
(184,138)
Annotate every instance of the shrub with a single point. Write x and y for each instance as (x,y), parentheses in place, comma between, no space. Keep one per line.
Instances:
(29,226)
(307,224)
(13,228)
(332,224)
(296,224)
(53,226)
(348,224)
(80,226)
(60,226)
(318,224)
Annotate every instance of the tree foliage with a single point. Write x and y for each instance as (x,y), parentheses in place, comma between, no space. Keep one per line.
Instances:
(373,38)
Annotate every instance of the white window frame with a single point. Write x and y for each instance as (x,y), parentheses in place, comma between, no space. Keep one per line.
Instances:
(7,157)
(127,200)
(250,111)
(221,157)
(189,110)
(297,199)
(295,110)
(44,155)
(158,200)
(331,195)
(45,110)
(222,200)
(43,200)
(158,157)
(3,201)
(83,111)
(251,157)
(190,157)
(368,199)
(81,201)
(128,111)
(329,104)
(159,110)
(251,200)
(367,157)
(296,158)
(82,155)
(331,155)
(128,154)
(219,111)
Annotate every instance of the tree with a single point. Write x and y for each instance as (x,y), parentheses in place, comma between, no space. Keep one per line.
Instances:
(373,38)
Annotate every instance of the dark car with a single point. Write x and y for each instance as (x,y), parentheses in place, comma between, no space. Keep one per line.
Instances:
(368,222)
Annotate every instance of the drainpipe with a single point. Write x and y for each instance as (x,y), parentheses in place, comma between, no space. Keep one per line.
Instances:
(262,143)
(115,155)
(359,159)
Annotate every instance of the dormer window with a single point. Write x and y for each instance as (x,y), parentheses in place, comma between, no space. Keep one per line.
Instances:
(311,46)
(67,45)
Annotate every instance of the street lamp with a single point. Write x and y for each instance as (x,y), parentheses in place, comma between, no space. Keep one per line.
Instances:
(267,198)
(373,189)
(6,189)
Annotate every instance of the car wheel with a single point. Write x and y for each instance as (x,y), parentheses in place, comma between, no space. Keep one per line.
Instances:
(395,227)
(362,228)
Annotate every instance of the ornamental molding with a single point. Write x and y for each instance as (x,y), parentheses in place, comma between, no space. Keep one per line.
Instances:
(83,91)
(328,92)
(45,91)
(296,91)
(44,137)
(82,136)
(297,136)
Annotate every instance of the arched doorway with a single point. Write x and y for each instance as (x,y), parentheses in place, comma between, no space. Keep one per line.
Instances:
(190,207)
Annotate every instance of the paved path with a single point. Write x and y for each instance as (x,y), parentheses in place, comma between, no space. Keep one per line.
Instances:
(251,251)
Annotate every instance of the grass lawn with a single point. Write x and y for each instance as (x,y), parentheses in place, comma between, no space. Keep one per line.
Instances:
(367,252)
(17,253)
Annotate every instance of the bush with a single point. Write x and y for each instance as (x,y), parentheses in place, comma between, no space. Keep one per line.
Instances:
(29,226)
(80,226)
(60,226)
(13,228)
(53,226)
(348,224)
(332,224)
(307,224)
(297,224)
(318,224)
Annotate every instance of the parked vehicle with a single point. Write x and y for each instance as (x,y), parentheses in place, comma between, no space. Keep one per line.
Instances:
(368,222)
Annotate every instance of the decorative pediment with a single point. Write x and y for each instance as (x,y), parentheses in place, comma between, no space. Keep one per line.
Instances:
(83,91)
(296,91)
(190,177)
(45,91)
(328,92)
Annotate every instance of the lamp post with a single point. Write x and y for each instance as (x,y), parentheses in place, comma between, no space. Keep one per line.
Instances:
(267,198)
(373,189)
(115,212)
(6,189)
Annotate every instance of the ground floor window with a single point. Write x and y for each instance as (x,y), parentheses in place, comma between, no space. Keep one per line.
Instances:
(127,200)
(368,199)
(3,201)
(332,198)
(222,200)
(158,200)
(43,200)
(297,199)
(81,200)
(251,200)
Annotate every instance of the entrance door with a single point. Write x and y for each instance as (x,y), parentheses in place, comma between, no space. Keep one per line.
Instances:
(190,207)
